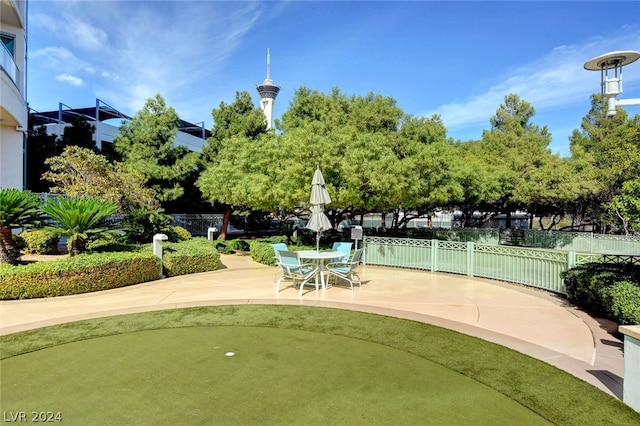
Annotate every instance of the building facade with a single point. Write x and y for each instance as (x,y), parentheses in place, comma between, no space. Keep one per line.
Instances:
(13,84)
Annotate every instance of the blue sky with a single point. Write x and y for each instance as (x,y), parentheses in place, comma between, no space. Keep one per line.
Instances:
(457,59)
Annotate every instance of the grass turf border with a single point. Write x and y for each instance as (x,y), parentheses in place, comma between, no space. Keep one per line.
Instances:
(552,393)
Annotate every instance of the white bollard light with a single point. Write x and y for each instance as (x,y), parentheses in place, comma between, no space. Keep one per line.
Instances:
(157,247)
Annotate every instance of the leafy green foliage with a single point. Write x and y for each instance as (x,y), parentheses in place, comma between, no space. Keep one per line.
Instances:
(146,145)
(596,287)
(177,234)
(622,300)
(18,209)
(189,257)
(81,172)
(606,152)
(79,274)
(141,224)
(261,251)
(41,241)
(80,218)
(626,205)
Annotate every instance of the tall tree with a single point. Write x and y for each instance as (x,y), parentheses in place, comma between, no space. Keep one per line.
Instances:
(518,152)
(40,146)
(147,146)
(606,150)
(234,157)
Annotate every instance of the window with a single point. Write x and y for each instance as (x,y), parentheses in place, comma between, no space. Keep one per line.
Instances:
(9,43)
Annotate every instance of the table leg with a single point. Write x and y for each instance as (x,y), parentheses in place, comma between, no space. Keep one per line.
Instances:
(321,272)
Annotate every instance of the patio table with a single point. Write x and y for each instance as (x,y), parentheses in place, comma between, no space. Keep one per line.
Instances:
(320,257)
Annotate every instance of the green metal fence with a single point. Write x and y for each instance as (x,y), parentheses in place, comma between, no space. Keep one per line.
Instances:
(533,267)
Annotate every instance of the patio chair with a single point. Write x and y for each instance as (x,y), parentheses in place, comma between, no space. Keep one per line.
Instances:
(295,270)
(344,247)
(346,270)
(278,247)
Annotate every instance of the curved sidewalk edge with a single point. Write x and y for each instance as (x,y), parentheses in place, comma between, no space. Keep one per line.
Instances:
(461,309)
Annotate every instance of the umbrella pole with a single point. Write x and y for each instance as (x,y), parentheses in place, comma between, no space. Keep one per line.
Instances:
(317,241)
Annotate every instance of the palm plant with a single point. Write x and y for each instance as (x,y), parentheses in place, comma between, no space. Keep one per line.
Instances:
(79,218)
(18,209)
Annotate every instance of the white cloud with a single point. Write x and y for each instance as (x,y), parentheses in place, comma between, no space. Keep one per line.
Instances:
(61,59)
(85,35)
(71,80)
(175,50)
(110,75)
(553,81)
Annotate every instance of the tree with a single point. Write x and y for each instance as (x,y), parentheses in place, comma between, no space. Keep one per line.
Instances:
(626,206)
(240,118)
(234,158)
(18,209)
(79,133)
(528,175)
(40,146)
(82,172)
(146,144)
(606,150)
(80,218)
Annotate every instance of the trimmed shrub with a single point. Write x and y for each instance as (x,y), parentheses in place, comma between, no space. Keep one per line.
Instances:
(220,246)
(19,242)
(79,274)
(584,282)
(623,302)
(231,246)
(40,241)
(596,287)
(110,243)
(177,234)
(189,257)
(262,252)
(237,245)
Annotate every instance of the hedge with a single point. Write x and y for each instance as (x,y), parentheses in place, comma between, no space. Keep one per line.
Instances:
(189,257)
(261,251)
(40,241)
(606,289)
(623,302)
(105,270)
(79,274)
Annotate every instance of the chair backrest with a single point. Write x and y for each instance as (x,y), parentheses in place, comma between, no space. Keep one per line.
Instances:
(344,247)
(277,247)
(357,258)
(289,258)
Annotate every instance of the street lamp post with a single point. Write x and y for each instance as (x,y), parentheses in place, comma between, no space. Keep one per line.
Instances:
(610,67)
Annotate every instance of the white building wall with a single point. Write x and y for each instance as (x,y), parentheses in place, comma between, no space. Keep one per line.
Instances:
(11,160)
(13,107)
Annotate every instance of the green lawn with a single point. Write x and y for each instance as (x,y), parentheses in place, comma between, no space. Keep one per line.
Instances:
(292,365)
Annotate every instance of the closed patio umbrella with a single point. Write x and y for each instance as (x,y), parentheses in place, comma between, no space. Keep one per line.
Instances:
(319,197)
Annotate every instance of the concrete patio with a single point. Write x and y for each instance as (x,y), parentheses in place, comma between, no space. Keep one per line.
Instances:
(536,323)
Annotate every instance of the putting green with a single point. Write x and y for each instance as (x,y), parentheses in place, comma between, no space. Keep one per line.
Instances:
(292,365)
(276,376)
